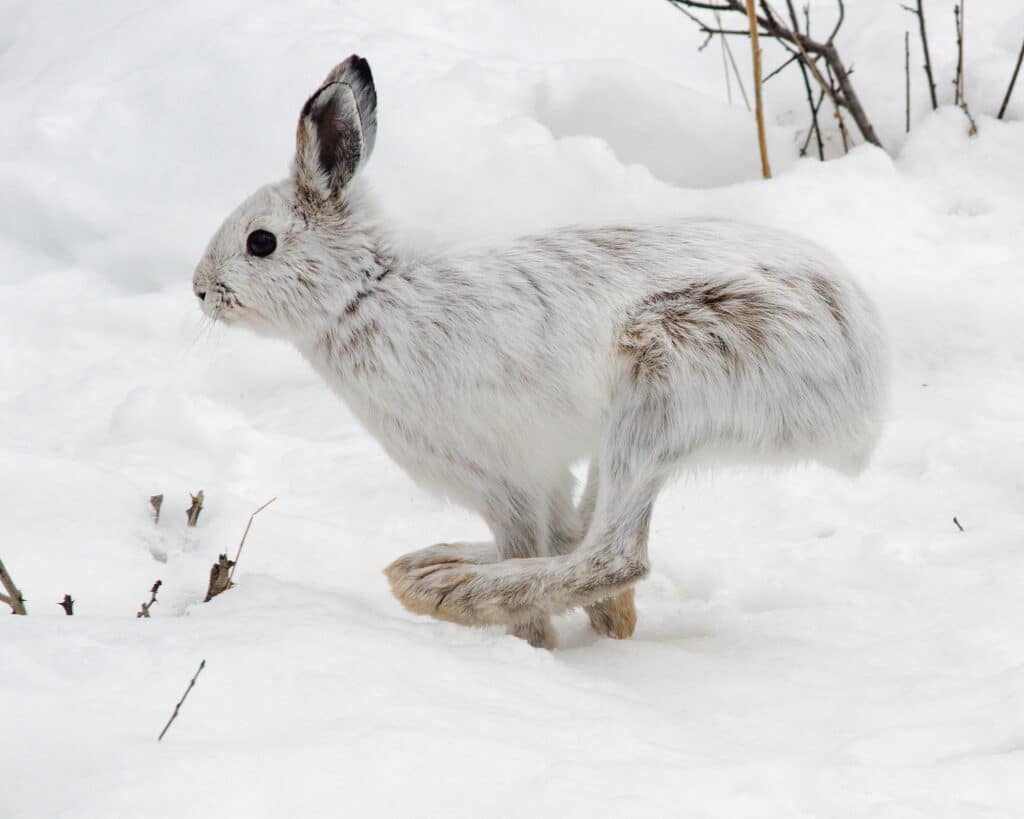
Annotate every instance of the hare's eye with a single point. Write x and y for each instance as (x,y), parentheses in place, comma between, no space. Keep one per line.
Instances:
(261,243)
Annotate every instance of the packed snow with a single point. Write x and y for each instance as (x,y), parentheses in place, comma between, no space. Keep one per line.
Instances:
(808,645)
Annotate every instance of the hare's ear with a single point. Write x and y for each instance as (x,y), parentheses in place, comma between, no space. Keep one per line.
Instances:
(337,129)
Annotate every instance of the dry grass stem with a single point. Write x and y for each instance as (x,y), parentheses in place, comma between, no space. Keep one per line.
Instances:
(755,48)
(245,534)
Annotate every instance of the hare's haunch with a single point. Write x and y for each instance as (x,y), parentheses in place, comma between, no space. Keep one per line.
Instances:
(486,375)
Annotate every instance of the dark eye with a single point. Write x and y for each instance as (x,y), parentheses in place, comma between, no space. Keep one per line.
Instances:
(261,243)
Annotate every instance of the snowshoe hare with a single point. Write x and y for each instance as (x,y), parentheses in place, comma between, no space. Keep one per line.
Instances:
(487,374)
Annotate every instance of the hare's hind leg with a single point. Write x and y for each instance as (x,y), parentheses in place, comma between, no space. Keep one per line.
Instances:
(614,616)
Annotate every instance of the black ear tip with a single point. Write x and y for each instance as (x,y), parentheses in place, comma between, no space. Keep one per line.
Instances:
(361,68)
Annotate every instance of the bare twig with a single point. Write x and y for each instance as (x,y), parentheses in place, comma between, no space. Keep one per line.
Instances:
(961,99)
(755,49)
(14,598)
(959,81)
(810,131)
(156,501)
(837,111)
(68,604)
(1013,81)
(245,534)
(972,126)
(919,11)
(958,526)
(196,507)
(807,83)
(906,71)
(144,608)
(789,61)
(177,707)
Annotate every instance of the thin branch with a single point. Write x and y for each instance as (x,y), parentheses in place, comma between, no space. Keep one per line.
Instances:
(177,707)
(144,608)
(807,84)
(792,59)
(906,71)
(961,99)
(837,109)
(14,598)
(919,11)
(958,526)
(1013,81)
(959,81)
(810,131)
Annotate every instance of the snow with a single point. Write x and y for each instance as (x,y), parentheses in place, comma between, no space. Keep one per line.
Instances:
(808,645)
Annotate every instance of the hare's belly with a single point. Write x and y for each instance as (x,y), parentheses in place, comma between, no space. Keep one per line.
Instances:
(462,445)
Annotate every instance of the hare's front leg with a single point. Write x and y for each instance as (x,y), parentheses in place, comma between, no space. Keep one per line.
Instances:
(421,580)
(611,559)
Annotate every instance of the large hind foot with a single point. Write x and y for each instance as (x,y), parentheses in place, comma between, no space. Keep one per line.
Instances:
(614,616)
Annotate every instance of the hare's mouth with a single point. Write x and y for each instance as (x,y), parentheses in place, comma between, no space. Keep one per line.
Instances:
(220,303)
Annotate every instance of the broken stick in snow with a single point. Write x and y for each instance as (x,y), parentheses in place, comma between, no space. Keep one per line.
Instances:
(144,609)
(68,604)
(220,577)
(1013,82)
(14,598)
(177,707)
(196,507)
(156,501)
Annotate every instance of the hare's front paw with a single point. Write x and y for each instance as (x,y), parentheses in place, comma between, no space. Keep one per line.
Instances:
(424,580)
(443,553)
(455,582)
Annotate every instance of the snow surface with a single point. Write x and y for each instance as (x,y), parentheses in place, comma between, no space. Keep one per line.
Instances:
(808,646)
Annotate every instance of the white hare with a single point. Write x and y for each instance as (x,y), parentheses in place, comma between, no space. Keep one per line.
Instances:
(486,375)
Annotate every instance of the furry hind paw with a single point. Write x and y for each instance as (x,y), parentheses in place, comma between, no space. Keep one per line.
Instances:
(614,616)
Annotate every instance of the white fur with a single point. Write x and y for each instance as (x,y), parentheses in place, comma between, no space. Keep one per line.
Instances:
(486,374)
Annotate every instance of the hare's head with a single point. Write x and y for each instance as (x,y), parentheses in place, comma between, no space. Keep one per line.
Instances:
(295,249)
